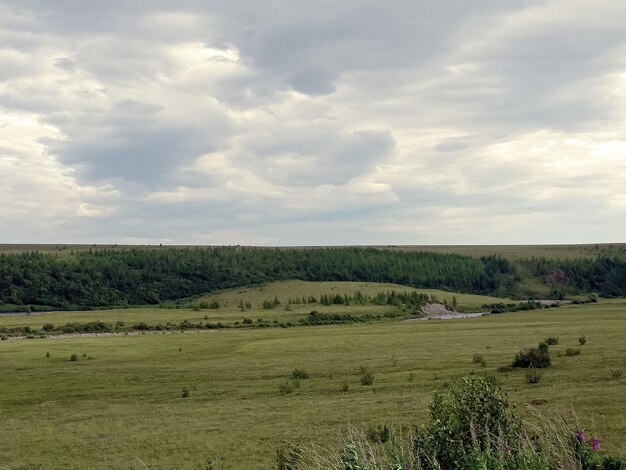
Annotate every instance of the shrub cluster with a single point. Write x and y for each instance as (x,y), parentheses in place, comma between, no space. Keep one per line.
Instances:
(538,357)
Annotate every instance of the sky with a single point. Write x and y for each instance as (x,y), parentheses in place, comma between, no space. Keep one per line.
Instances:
(312,122)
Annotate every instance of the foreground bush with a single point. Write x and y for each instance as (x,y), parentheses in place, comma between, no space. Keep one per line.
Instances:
(472,428)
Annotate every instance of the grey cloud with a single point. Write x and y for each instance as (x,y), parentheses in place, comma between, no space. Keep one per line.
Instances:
(313,81)
(65,63)
(138,107)
(146,156)
(312,157)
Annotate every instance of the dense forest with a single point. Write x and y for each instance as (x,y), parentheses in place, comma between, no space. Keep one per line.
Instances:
(103,278)
(603,275)
(110,277)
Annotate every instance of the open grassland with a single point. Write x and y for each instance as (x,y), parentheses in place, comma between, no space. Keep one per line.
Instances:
(123,400)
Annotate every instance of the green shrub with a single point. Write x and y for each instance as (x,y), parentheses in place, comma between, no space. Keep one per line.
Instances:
(285,387)
(533,376)
(345,387)
(48,327)
(367,378)
(47,354)
(299,374)
(533,357)
(477,359)
(582,340)
(74,357)
(552,340)
(474,417)
(572,352)
(186,393)
(615,373)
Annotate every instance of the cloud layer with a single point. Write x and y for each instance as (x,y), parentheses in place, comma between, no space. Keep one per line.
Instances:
(312,122)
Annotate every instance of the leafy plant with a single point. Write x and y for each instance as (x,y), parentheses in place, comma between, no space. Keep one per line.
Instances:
(474,417)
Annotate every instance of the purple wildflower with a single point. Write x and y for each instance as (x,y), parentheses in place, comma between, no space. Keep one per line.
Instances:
(407,466)
(595,444)
(580,435)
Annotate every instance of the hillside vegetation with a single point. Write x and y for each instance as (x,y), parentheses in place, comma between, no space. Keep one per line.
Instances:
(123,277)
(105,278)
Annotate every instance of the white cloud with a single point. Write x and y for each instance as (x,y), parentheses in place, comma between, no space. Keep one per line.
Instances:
(291,123)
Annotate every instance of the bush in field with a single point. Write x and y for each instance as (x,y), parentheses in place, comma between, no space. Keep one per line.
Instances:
(552,340)
(572,352)
(582,340)
(367,378)
(615,373)
(185,393)
(299,374)
(474,417)
(533,357)
(74,357)
(479,359)
(533,376)
(285,387)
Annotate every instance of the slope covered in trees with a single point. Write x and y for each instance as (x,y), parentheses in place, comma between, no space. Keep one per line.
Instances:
(101,278)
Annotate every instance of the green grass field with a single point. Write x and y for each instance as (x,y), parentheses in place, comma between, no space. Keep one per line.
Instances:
(123,400)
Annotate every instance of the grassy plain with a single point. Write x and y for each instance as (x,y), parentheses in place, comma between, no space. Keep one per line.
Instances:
(123,400)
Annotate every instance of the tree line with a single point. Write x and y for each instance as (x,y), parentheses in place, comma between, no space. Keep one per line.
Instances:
(106,278)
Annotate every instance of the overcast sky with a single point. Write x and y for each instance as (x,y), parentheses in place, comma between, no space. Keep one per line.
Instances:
(324,122)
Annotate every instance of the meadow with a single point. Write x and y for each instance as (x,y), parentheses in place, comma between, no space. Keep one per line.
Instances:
(122,403)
